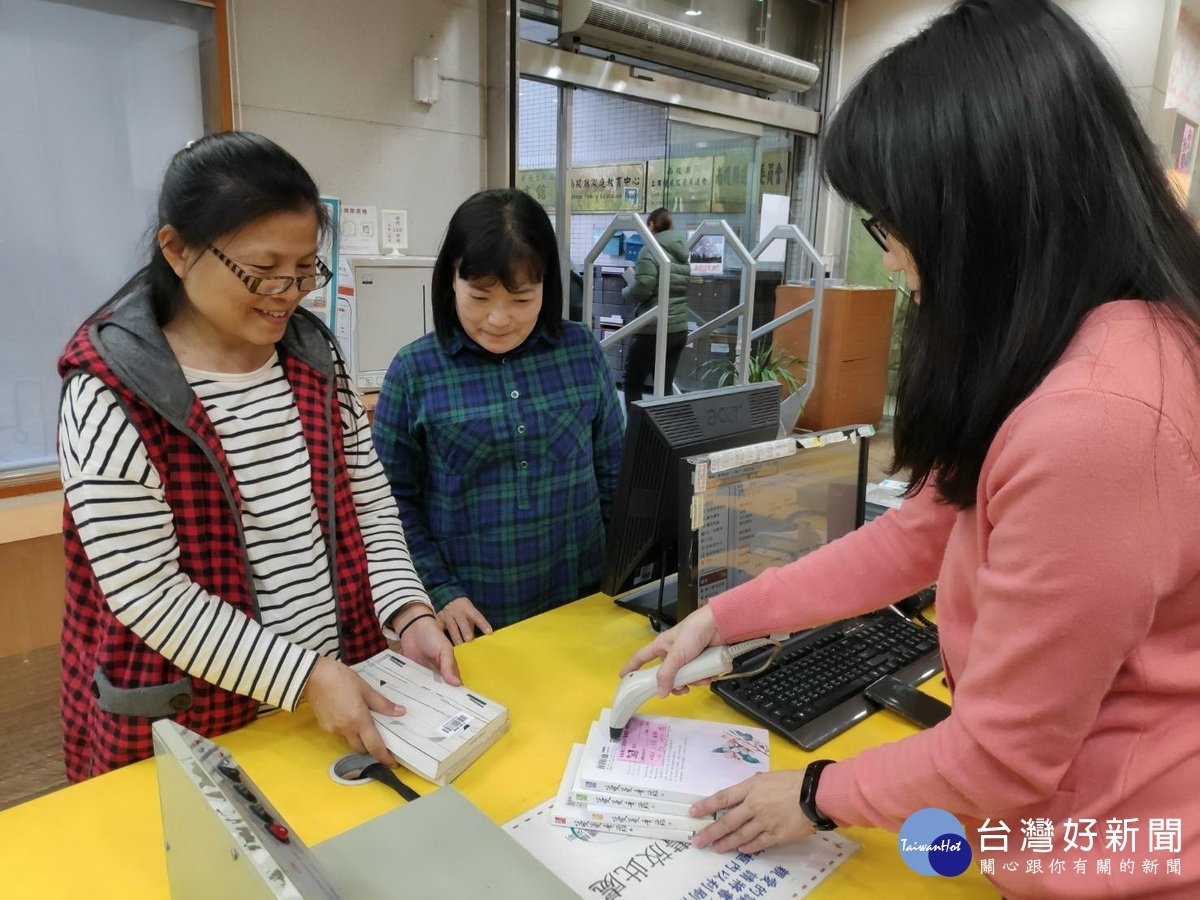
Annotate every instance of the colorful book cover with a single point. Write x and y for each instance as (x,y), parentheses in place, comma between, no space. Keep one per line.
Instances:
(667,758)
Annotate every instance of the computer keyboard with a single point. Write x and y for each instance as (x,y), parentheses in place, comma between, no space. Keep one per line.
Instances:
(812,692)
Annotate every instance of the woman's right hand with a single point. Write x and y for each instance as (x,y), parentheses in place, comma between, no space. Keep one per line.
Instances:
(677,647)
(342,703)
(459,618)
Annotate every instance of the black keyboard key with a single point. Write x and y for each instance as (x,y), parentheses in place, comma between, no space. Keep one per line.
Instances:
(813,675)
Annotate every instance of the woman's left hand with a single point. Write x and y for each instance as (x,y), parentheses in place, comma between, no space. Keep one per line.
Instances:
(426,643)
(760,812)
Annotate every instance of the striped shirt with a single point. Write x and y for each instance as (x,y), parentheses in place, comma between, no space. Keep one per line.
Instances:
(118,503)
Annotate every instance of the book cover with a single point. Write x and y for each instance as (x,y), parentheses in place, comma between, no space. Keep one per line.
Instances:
(666,758)
(444,729)
(568,813)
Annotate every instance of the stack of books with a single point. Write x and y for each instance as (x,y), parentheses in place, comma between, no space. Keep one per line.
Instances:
(646,782)
(444,728)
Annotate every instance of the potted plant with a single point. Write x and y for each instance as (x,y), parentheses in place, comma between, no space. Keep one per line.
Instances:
(766,363)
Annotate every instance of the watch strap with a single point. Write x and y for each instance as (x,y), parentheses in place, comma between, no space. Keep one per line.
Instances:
(808,795)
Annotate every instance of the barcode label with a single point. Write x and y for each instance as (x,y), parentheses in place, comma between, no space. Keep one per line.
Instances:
(605,761)
(456,723)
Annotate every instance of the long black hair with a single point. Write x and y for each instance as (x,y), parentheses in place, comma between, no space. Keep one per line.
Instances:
(1000,147)
(213,187)
(502,234)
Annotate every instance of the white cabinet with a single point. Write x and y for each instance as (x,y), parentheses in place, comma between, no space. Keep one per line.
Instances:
(390,308)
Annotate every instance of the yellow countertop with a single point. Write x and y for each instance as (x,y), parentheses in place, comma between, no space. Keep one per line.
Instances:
(103,838)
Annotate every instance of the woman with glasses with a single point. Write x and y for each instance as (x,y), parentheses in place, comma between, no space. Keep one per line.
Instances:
(232,543)
(1048,419)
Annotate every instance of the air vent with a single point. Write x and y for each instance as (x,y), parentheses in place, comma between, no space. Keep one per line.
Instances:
(613,26)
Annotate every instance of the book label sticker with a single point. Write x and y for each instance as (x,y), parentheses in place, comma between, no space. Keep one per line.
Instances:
(644,742)
(454,724)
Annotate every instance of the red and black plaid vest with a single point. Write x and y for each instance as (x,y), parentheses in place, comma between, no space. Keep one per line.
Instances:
(206,506)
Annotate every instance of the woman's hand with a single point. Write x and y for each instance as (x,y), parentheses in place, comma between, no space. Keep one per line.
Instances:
(426,643)
(677,647)
(760,812)
(460,618)
(342,703)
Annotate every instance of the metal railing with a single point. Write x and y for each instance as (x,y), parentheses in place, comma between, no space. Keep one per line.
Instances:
(790,410)
(743,311)
(658,315)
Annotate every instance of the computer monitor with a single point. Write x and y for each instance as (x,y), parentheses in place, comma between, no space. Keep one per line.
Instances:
(644,537)
(768,506)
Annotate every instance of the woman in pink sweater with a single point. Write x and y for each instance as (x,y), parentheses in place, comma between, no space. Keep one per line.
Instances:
(1049,415)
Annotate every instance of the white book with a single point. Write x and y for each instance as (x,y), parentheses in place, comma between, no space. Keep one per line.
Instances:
(616,816)
(666,758)
(652,869)
(444,728)
(630,802)
(568,813)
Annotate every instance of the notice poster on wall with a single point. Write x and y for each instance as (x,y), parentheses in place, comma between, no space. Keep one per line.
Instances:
(685,183)
(359,231)
(395,229)
(538,184)
(707,255)
(1187,140)
(609,189)
(774,212)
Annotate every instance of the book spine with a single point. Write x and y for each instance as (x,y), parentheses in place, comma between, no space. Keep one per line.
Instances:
(645,819)
(411,757)
(636,804)
(645,793)
(646,831)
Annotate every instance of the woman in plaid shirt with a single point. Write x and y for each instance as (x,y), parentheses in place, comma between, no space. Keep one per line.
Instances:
(500,432)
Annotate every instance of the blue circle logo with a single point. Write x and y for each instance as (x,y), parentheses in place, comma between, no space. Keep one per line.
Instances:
(933,842)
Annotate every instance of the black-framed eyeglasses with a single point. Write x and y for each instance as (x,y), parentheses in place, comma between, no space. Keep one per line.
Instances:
(276,284)
(877,230)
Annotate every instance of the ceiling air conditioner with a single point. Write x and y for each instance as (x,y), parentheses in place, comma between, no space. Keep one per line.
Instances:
(614,26)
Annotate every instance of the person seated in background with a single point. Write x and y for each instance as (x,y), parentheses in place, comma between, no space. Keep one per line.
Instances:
(231,541)
(1049,415)
(639,360)
(501,432)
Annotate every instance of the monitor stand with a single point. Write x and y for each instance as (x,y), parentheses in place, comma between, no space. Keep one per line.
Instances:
(644,600)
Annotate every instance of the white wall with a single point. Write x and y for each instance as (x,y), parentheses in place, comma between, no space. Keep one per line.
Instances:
(1137,35)
(333,84)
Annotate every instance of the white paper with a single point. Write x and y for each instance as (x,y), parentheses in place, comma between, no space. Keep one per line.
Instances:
(359,231)
(599,864)
(774,212)
(395,228)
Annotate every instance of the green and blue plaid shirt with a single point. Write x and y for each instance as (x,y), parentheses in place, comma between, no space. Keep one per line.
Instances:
(504,467)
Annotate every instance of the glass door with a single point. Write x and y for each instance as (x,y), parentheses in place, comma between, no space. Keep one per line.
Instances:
(711,170)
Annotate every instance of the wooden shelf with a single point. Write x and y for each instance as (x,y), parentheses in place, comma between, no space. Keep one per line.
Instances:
(852,361)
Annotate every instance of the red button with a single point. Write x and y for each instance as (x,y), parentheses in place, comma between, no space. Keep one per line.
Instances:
(280,833)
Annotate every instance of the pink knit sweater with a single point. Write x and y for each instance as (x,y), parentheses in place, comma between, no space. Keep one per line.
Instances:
(1069,616)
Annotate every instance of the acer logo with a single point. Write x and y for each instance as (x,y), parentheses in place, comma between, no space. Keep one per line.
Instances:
(725,415)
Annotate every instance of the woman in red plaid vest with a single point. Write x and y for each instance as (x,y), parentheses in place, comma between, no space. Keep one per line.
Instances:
(231,540)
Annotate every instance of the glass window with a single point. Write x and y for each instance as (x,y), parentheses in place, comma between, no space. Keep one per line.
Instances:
(97,97)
